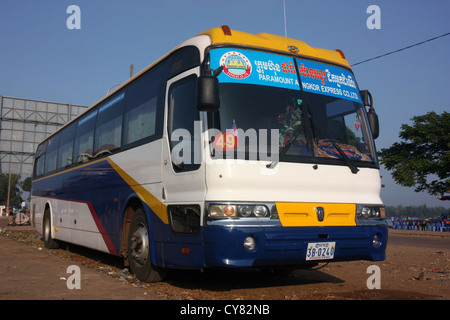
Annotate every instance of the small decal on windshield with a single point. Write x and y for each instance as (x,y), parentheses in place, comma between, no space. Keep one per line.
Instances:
(236,65)
(227,140)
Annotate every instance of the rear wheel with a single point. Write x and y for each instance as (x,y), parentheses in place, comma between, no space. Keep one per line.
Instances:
(49,242)
(139,253)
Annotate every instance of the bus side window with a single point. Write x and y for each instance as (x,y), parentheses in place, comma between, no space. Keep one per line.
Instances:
(65,151)
(141,110)
(183,114)
(184,59)
(84,138)
(108,133)
(40,160)
(51,154)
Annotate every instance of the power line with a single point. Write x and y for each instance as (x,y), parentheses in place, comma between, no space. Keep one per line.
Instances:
(408,47)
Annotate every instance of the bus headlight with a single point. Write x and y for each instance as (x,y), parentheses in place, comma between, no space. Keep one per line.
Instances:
(365,212)
(216,210)
(260,211)
(245,210)
(221,211)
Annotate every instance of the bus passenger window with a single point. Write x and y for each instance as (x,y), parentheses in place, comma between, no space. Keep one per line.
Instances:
(141,109)
(40,160)
(141,121)
(65,151)
(51,154)
(84,138)
(109,126)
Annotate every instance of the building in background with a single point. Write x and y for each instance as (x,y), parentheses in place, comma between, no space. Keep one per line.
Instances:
(23,124)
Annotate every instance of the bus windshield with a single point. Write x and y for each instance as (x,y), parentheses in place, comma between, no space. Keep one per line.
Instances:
(309,125)
(307,122)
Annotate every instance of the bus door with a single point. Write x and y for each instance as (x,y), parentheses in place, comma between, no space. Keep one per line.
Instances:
(183,174)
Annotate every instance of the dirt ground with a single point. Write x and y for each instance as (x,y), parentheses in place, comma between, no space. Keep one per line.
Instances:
(417,268)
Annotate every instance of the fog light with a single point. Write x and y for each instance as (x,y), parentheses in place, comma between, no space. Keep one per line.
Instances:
(376,241)
(250,243)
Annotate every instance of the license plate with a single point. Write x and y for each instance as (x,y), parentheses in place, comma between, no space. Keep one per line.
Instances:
(320,250)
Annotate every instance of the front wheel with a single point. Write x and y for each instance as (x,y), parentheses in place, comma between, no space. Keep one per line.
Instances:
(139,253)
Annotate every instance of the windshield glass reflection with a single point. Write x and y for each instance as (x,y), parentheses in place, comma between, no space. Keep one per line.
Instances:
(309,126)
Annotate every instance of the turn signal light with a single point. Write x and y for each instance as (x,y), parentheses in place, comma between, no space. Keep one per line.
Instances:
(229,211)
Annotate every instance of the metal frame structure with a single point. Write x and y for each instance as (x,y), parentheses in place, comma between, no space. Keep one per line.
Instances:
(23,124)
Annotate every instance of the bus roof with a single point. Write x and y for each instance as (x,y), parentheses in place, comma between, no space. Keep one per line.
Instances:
(223,35)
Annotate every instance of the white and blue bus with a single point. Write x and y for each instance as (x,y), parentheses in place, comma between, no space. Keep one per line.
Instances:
(233,150)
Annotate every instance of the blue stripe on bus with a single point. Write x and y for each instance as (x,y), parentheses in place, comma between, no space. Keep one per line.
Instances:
(102,189)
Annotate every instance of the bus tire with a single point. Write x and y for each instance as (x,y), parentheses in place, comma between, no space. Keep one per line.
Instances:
(49,242)
(139,253)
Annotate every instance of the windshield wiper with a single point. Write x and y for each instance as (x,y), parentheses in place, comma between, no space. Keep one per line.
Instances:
(353,167)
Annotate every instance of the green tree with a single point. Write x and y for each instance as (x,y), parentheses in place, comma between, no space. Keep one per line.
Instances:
(422,159)
(15,194)
(26,184)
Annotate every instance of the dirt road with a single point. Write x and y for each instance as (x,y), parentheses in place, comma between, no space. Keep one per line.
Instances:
(28,273)
(417,267)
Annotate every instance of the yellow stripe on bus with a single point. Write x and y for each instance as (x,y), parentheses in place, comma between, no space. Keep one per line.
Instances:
(157,206)
(295,214)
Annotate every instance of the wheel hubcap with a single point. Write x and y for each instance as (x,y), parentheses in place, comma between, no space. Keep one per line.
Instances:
(140,244)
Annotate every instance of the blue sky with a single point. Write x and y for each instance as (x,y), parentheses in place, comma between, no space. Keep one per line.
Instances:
(40,58)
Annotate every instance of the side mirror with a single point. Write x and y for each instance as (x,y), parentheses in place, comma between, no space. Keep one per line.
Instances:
(371,114)
(373,122)
(208,91)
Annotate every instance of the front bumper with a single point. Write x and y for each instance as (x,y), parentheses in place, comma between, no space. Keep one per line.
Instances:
(287,246)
